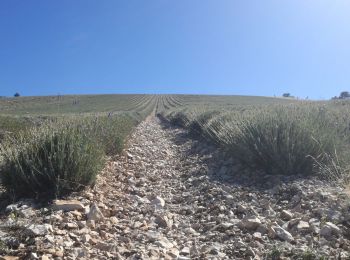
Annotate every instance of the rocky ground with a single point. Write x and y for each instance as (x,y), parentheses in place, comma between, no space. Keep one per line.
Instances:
(170,197)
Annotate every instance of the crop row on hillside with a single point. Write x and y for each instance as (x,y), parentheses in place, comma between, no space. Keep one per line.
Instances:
(62,152)
(166,102)
(282,138)
(71,104)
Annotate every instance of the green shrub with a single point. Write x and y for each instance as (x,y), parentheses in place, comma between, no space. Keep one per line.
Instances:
(12,126)
(62,155)
(53,159)
(302,138)
(197,125)
(284,141)
(110,132)
(274,254)
(179,119)
(216,129)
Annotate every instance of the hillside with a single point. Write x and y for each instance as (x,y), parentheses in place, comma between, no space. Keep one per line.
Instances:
(69,104)
(190,177)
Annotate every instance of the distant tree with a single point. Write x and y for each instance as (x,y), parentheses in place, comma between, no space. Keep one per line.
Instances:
(335,98)
(344,94)
(286,95)
(16,94)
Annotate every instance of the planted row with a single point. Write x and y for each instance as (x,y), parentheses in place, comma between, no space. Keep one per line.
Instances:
(62,155)
(277,139)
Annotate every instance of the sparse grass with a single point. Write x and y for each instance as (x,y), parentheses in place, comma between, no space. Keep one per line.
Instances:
(274,254)
(278,253)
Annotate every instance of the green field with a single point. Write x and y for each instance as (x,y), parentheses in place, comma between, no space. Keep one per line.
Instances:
(70,104)
(76,104)
(275,136)
(264,134)
(53,145)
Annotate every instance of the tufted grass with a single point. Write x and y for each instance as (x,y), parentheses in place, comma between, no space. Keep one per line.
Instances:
(302,138)
(60,156)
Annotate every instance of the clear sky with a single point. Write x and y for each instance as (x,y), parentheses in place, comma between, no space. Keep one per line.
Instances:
(261,47)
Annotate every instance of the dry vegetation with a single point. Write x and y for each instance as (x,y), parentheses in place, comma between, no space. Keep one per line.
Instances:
(244,188)
(274,137)
(64,148)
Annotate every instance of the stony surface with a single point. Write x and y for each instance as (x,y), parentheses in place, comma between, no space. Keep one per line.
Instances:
(170,197)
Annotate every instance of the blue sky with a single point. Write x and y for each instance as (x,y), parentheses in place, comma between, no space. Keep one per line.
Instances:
(185,46)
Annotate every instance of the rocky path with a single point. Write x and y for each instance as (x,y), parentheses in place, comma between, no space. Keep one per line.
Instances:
(170,197)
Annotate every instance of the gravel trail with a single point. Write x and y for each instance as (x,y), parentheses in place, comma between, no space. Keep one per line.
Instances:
(170,197)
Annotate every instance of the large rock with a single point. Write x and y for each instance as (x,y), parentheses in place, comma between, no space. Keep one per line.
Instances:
(303,226)
(114,220)
(67,205)
(95,214)
(23,209)
(11,208)
(38,230)
(26,213)
(85,238)
(315,225)
(286,215)
(283,234)
(162,221)
(164,243)
(158,202)
(185,251)
(223,226)
(257,236)
(329,229)
(250,223)
(173,253)
(104,246)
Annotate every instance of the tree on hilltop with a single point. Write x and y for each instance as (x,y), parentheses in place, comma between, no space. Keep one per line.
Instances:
(344,94)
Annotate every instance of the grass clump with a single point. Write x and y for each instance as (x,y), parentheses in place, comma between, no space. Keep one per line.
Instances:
(62,155)
(197,125)
(53,159)
(179,118)
(284,141)
(111,132)
(290,139)
(12,126)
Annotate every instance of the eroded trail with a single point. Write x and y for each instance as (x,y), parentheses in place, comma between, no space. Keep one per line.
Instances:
(170,197)
(181,198)
(159,208)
